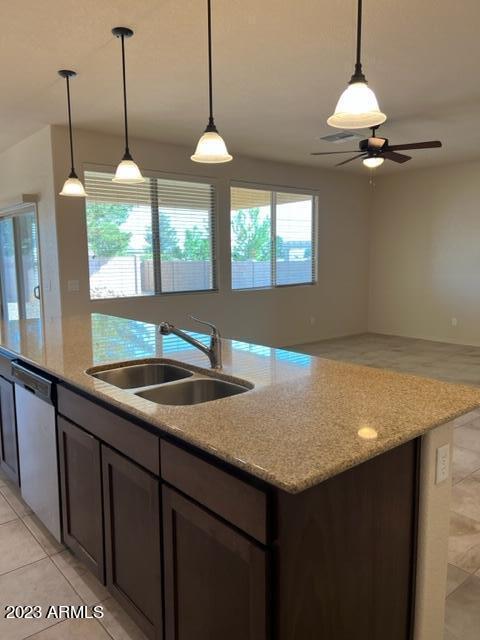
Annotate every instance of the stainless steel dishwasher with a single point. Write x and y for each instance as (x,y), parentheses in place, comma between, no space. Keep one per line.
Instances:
(37,446)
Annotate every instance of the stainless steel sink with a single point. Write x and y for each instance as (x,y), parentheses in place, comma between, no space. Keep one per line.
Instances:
(192,391)
(168,383)
(142,375)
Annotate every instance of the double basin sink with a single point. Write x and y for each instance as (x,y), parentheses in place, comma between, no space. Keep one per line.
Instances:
(166,383)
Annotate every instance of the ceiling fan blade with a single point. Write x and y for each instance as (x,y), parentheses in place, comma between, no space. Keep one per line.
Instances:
(432,144)
(330,153)
(360,155)
(396,157)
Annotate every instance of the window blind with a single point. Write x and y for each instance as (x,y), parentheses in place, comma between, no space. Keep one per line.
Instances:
(294,238)
(185,217)
(272,238)
(251,238)
(155,237)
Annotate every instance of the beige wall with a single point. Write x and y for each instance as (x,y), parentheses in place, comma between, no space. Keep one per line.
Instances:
(27,168)
(335,305)
(432,550)
(406,256)
(425,254)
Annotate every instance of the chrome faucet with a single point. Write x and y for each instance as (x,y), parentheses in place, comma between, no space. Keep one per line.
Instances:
(214,351)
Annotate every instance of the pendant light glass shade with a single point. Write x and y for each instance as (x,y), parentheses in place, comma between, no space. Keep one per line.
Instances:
(127,171)
(373,162)
(211,149)
(357,108)
(73,186)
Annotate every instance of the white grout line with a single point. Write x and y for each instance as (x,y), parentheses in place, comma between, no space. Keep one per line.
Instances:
(5,573)
(37,633)
(29,515)
(26,511)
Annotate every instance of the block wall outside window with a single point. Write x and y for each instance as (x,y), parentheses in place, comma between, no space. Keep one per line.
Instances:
(272,238)
(156,237)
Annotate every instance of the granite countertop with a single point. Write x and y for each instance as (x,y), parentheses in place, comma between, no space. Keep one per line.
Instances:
(306,419)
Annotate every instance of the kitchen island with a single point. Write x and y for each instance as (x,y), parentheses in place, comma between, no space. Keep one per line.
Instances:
(299,509)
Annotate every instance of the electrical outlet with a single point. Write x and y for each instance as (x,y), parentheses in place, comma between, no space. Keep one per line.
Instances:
(454,322)
(312,320)
(443,464)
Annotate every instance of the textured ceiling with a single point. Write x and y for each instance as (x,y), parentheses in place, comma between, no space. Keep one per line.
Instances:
(279,69)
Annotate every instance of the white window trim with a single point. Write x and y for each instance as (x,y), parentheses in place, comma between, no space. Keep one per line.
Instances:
(181,177)
(274,189)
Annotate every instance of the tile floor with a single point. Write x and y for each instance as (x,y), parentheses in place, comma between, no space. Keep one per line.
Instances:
(457,364)
(35,569)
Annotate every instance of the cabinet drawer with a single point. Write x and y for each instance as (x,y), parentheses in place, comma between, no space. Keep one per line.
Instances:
(236,501)
(129,438)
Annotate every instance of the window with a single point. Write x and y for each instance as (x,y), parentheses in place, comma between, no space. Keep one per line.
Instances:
(156,237)
(272,238)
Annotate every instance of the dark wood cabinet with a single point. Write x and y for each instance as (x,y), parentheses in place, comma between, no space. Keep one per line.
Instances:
(215,577)
(240,559)
(81,491)
(133,540)
(8,432)
(346,561)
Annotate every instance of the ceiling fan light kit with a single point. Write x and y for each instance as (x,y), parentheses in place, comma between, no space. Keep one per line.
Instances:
(357,107)
(211,148)
(375,150)
(73,186)
(373,162)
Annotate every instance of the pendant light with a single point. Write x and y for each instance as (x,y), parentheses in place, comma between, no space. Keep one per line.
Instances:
(358,106)
(211,149)
(127,171)
(73,186)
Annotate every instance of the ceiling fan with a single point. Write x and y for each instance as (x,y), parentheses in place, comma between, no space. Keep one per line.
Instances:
(375,150)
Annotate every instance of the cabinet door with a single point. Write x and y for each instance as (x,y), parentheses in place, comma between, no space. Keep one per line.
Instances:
(346,553)
(81,485)
(215,578)
(132,540)
(8,432)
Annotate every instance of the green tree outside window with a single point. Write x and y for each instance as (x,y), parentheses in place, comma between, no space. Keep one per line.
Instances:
(105,238)
(251,236)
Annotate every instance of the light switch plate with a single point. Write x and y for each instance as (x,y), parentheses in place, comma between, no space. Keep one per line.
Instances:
(443,464)
(73,285)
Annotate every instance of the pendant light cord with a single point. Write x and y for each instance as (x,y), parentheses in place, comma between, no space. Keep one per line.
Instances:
(358,73)
(127,151)
(359,33)
(72,173)
(211,123)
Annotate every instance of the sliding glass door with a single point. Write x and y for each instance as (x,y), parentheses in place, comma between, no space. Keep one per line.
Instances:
(20,277)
